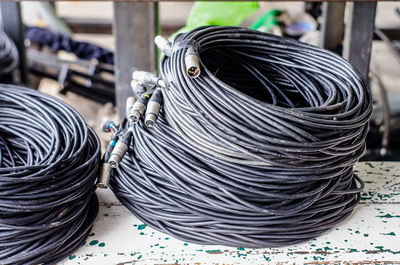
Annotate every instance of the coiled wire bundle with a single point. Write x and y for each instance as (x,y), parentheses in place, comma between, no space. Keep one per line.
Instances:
(49,161)
(257,150)
(8,57)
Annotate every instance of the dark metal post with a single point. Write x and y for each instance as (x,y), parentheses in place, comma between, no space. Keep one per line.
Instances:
(359,34)
(332,27)
(12,25)
(135,26)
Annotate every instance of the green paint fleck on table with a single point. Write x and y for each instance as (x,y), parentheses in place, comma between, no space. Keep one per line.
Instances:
(94,242)
(369,164)
(240,248)
(388,216)
(141,227)
(267,258)
(389,234)
(72,257)
(214,251)
(102,244)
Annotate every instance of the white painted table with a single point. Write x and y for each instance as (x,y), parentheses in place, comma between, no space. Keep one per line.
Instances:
(370,236)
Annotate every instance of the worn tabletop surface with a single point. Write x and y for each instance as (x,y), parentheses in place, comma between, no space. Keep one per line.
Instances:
(370,236)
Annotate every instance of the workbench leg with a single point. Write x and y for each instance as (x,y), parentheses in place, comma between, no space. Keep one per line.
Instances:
(135,26)
(332,27)
(359,34)
(12,25)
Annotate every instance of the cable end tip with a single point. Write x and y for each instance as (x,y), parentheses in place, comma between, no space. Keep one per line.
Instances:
(193,72)
(102,186)
(192,64)
(113,164)
(134,117)
(149,123)
(105,176)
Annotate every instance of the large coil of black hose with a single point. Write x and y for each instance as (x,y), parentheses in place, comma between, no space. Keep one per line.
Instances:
(49,161)
(8,57)
(257,151)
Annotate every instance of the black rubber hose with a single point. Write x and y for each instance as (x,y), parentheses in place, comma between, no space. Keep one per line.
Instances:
(49,162)
(257,151)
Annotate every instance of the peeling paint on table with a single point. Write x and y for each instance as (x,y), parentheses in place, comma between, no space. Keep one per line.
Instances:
(370,236)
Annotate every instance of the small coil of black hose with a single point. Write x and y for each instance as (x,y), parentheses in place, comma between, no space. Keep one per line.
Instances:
(255,143)
(49,162)
(8,57)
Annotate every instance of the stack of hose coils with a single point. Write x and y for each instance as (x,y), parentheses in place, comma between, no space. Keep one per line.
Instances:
(49,161)
(254,147)
(8,57)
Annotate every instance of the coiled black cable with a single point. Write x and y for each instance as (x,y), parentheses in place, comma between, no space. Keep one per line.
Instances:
(8,57)
(49,161)
(258,151)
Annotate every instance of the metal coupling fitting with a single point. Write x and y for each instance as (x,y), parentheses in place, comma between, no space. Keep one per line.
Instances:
(148,78)
(129,105)
(163,44)
(120,149)
(192,63)
(138,109)
(138,88)
(105,175)
(153,108)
